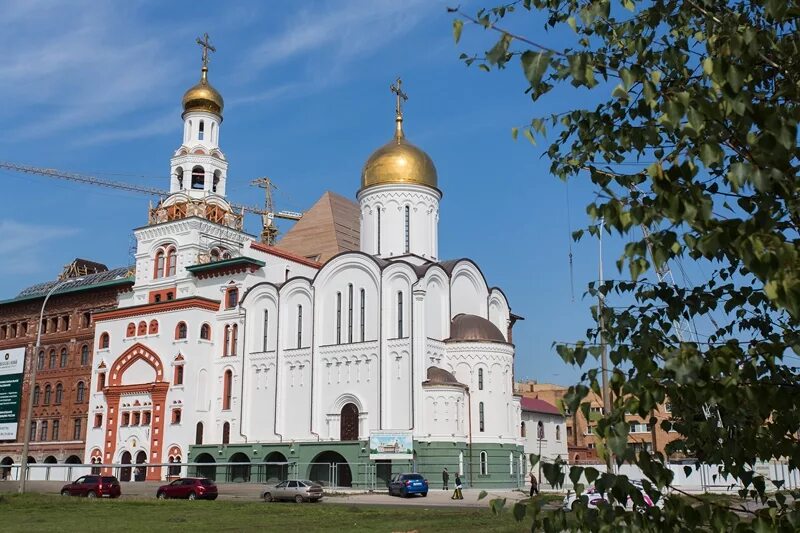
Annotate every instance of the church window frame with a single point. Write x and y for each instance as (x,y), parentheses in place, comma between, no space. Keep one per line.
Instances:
(400,314)
(77,428)
(363,313)
(55,431)
(198,434)
(85,355)
(181,331)
(40,361)
(152,329)
(234,340)
(227,390)
(407,225)
(522,431)
(52,359)
(350,313)
(226,433)
(231,297)
(198,182)
(59,394)
(299,325)
(105,341)
(205,332)
(201,130)
(98,420)
(176,417)
(142,328)
(481,420)
(177,378)
(378,210)
(171,262)
(101,381)
(32,433)
(338,318)
(159,262)
(36,394)
(226,340)
(64,358)
(43,430)
(265,331)
(131,330)
(484,463)
(480,379)
(80,392)
(48,393)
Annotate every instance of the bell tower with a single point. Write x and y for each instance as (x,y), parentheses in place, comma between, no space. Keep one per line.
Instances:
(199,168)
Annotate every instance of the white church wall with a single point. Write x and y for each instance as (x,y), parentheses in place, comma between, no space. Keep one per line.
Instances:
(261,308)
(468,290)
(296,314)
(499,312)
(444,413)
(437,323)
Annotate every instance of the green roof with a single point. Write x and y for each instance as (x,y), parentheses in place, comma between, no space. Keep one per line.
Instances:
(225,263)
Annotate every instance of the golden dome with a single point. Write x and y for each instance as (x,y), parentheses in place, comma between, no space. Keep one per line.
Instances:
(203,97)
(399,161)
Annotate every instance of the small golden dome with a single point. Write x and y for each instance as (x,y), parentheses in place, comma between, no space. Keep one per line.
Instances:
(399,161)
(203,97)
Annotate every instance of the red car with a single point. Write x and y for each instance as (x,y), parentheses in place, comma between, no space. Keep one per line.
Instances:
(192,488)
(93,487)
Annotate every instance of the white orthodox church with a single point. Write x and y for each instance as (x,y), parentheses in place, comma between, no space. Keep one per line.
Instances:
(227,350)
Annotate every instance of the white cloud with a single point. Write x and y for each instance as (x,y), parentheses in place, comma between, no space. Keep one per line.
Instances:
(23,246)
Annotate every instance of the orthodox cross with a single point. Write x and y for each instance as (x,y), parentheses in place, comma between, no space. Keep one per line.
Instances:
(401,96)
(206,44)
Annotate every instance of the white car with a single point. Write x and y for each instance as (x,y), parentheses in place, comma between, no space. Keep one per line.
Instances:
(594,498)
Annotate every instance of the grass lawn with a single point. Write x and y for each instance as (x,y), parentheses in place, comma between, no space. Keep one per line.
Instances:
(35,512)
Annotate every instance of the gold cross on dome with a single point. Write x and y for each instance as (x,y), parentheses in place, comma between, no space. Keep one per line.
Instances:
(401,96)
(206,44)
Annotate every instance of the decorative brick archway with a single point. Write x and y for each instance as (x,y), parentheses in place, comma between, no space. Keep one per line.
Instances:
(158,393)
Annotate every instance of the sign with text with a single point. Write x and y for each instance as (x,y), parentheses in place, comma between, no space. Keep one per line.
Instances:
(12,363)
(391,445)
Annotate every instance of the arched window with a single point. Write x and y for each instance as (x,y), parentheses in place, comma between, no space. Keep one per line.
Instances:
(201,130)
(227,387)
(52,363)
(480,417)
(299,326)
(226,433)
(55,429)
(36,392)
(85,355)
(234,338)
(40,362)
(142,329)
(131,330)
(198,433)
(205,332)
(540,430)
(522,429)
(158,264)
(558,432)
(178,377)
(408,228)
(338,318)
(153,328)
(181,330)
(101,381)
(64,357)
(198,178)
(59,393)
(80,392)
(231,297)
(480,379)
(175,470)
(349,423)
(76,429)
(217,173)
(378,216)
(484,464)
(350,312)
(363,312)
(105,340)
(399,314)
(179,177)
(265,331)
(43,430)
(226,341)
(172,261)
(48,391)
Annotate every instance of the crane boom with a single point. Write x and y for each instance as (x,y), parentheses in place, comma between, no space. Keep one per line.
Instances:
(129,187)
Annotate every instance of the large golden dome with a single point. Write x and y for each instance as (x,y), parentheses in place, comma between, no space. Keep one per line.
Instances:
(203,97)
(399,161)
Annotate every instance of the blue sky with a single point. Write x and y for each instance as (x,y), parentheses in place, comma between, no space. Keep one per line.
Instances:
(95,87)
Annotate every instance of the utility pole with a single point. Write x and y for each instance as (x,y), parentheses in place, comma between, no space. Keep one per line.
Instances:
(603,347)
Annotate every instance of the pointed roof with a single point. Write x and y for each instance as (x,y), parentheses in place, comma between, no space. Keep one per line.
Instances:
(331,226)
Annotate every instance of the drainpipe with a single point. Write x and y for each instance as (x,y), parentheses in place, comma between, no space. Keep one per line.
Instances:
(313,331)
(243,312)
(277,366)
(469,416)
(380,346)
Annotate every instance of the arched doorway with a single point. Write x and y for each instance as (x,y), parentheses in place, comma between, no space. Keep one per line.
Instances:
(330,469)
(141,471)
(49,460)
(277,468)
(73,460)
(239,473)
(348,425)
(125,471)
(5,468)
(209,471)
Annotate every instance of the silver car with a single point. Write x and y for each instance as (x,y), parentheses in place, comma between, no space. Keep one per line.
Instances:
(299,490)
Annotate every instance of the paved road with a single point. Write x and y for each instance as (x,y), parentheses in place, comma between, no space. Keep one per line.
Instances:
(252,491)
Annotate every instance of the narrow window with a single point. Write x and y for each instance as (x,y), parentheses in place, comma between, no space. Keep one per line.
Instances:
(146,418)
(522,430)
(81,392)
(126,419)
(56,425)
(76,430)
(399,314)
(205,332)
(85,355)
(227,340)
(299,326)
(350,313)
(158,266)
(227,385)
(480,416)
(226,433)
(43,430)
(408,233)
(101,381)
(32,435)
(558,432)
(137,417)
(265,338)
(98,420)
(484,464)
(201,130)
(48,392)
(178,375)
(181,331)
(363,314)
(198,178)
(232,298)
(198,433)
(176,416)
(104,341)
(52,363)
(142,329)
(40,361)
(379,230)
(480,379)
(36,392)
(172,261)
(59,393)
(234,338)
(87,319)
(64,357)
(338,318)
(540,430)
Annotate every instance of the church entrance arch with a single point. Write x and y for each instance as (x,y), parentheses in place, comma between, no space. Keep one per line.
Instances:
(239,473)
(349,422)
(141,471)
(330,469)
(209,471)
(125,471)
(277,469)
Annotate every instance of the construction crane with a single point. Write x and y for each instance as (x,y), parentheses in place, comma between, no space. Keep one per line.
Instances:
(268,214)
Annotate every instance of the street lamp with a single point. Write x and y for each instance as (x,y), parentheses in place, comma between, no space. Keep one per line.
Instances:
(23,470)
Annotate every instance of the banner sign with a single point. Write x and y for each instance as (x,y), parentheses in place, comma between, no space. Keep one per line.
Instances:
(12,363)
(391,445)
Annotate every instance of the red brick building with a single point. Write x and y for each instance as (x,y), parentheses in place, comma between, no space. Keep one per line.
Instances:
(61,394)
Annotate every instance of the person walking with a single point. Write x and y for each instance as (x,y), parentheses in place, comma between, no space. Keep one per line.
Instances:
(534,485)
(445,478)
(457,493)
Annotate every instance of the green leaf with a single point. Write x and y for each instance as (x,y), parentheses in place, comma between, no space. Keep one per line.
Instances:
(458,25)
(514,133)
(535,64)
(519,510)
(482,494)
(572,24)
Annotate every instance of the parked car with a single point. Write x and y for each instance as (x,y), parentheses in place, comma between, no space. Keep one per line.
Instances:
(93,487)
(594,498)
(407,484)
(299,490)
(191,488)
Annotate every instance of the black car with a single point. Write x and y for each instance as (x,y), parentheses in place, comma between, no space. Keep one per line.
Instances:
(407,484)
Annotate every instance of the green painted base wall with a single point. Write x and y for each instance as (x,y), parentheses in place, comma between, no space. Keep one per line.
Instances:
(263,463)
